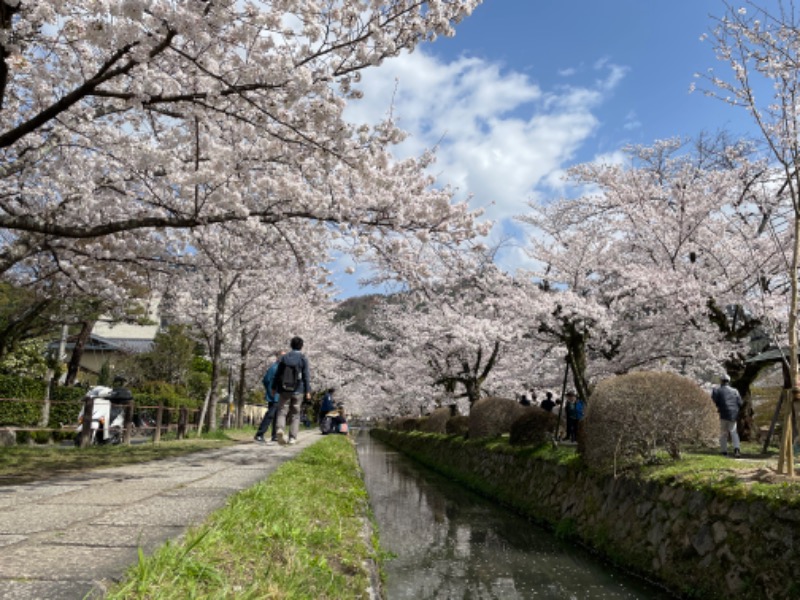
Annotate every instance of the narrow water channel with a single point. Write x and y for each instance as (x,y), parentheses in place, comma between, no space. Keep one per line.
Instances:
(448,543)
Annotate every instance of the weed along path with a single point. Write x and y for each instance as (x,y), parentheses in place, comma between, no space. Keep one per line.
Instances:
(446,542)
(73,535)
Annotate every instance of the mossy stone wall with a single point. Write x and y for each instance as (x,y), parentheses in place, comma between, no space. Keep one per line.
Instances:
(695,543)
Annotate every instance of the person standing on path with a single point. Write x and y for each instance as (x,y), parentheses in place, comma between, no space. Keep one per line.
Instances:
(728,402)
(272,403)
(574,414)
(292,371)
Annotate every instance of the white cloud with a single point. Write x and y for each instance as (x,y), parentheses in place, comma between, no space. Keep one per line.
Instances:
(499,135)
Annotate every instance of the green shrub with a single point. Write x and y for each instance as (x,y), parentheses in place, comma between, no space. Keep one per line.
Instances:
(492,417)
(155,393)
(13,386)
(633,416)
(458,425)
(65,405)
(405,424)
(20,414)
(533,428)
(436,422)
(197,384)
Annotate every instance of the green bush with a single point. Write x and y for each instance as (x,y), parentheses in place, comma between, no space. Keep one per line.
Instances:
(13,386)
(631,417)
(436,422)
(458,425)
(533,428)
(198,383)
(65,405)
(492,417)
(21,414)
(405,424)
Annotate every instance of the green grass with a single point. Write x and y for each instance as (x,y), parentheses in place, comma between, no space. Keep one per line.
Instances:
(22,464)
(299,534)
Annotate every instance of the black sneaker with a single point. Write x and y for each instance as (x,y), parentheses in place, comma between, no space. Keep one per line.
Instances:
(736,453)
(259,439)
(724,454)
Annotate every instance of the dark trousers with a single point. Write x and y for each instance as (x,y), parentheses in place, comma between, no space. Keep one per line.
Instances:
(269,417)
(572,429)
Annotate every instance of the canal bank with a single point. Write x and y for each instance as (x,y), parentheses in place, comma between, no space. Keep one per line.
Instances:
(440,540)
(697,542)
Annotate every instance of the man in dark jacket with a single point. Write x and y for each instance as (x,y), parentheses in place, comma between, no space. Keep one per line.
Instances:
(728,402)
(290,402)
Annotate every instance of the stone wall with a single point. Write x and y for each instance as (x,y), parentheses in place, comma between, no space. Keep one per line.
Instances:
(697,544)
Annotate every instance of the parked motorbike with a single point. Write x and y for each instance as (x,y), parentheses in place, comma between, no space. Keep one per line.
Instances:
(108,418)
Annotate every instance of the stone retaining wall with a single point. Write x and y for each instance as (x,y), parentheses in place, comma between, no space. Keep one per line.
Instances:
(695,543)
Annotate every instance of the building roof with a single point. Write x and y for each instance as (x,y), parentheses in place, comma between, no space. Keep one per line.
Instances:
(775,355)
(135,345)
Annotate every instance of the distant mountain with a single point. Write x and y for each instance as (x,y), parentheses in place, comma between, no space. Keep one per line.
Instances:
(358,309)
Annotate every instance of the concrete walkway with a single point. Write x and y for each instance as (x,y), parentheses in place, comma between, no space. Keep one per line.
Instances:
(72,536)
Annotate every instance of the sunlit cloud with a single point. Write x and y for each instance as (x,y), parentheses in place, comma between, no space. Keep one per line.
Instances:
(499,136)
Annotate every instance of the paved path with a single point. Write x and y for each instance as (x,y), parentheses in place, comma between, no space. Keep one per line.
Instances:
(70,537)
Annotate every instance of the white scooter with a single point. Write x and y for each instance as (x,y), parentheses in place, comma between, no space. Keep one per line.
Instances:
(107,419)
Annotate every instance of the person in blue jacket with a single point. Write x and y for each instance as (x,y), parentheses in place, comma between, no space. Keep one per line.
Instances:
(575,409)
(272,403)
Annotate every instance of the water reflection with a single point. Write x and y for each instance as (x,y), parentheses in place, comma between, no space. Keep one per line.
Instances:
(449,543)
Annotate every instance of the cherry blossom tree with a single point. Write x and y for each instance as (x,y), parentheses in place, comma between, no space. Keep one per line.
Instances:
(232,285)
(444,342)
(125,123)
(641,268)
(760,46)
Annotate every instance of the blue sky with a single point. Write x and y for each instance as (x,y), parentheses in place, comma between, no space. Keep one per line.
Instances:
(527,88)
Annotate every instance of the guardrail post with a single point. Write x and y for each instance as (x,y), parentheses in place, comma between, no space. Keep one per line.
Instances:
(159,420)
(183,418)
(86,429)
(128,426)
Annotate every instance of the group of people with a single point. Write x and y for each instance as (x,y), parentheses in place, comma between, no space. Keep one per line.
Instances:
(726,398)
(528,398)
(285,405)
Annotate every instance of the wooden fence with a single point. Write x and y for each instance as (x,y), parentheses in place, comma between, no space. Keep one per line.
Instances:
(138,420)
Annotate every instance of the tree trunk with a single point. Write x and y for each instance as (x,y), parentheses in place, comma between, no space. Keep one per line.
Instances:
(216,357)
(576,349)
(240,394)
(77,351)
(216,351)
(247,342)
(743,383)
(786,459)
(18,327)
(473,390)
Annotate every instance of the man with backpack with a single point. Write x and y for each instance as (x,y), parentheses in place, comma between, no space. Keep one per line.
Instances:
(292,383)
(272,403)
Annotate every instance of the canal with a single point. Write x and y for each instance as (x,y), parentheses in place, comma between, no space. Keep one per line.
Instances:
(448,543)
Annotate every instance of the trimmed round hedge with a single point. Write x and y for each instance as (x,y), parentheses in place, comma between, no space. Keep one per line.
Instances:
(630,418)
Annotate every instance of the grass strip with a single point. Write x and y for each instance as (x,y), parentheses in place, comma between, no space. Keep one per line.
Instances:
(23,464)
(301,533)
